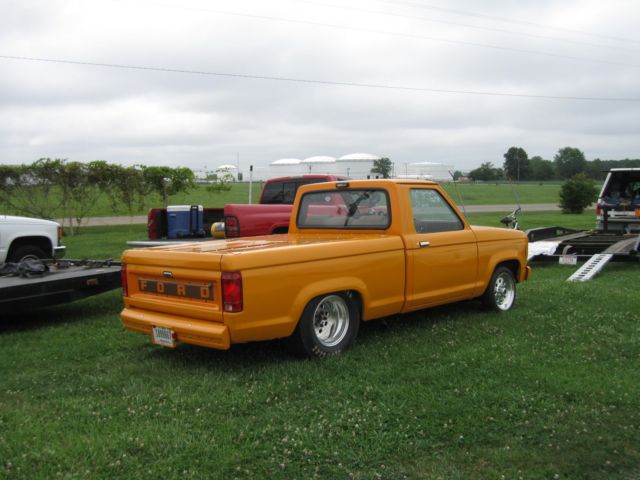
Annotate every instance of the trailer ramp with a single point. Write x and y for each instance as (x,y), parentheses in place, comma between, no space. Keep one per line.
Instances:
(624,249)
(591,267)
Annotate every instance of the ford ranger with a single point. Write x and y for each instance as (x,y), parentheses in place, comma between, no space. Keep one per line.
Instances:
(356,250)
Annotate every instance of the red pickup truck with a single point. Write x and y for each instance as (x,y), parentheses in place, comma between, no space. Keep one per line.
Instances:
(270,216)
(273,212)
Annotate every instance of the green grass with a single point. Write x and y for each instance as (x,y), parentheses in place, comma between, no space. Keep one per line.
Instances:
(102,242)
(471,194)
(550,389)
(504,193)
(584,221)
(239,193)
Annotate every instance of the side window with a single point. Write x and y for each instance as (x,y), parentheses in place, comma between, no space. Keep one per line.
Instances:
(289,192)
(431,212)
(273,193)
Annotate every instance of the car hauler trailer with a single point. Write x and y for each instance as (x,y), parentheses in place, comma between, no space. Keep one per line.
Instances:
(43,283)
(595,248)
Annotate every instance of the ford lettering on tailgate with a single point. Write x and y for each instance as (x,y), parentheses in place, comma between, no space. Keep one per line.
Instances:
(186,290)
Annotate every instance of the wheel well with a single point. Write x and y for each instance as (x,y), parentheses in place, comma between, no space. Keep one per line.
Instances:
(357,299)
(42,243)
(352,295)
(512,265)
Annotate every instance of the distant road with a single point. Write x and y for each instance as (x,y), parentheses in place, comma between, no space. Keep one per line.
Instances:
(529,207)
(142,219)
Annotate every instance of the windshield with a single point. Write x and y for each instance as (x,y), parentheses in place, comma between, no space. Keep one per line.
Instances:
(349,209)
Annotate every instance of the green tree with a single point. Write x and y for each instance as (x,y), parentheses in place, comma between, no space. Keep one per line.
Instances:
(486,172)
(79,192)
(577,193)
(123,186)
(221,183)
(166,181)
(33,190)
(569,161)
(516,164)
(540,169)
(597,169)
(382,166)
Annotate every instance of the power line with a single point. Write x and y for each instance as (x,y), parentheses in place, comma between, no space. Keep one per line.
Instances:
(319,82)
(508,20)
(466,25)
(384,32)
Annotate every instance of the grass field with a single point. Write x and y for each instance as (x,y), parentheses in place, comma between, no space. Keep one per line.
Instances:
(469,194)
(548,390)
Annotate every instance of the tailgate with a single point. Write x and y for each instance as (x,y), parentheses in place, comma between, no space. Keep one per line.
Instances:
(176,283)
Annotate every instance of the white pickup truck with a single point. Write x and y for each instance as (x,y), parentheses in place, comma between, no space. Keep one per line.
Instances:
(23,238)
(26,285)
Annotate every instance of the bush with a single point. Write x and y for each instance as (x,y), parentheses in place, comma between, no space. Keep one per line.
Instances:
(577,193)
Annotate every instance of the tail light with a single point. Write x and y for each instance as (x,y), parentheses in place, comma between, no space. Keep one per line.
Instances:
(598,210)
(123,280)
(231,226)
(231,291)
(152,225)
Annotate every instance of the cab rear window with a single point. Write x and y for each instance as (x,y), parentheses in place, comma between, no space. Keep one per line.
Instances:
(353,209)
(285,192)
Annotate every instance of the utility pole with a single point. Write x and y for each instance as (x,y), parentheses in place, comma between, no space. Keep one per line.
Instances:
(250,184)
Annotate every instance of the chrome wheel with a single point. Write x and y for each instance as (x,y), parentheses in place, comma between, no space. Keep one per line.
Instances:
(331,320)
(504,290)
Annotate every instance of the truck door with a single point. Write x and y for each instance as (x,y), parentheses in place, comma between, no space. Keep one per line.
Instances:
(442,253)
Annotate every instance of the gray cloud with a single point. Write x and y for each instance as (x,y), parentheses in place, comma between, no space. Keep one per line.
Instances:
(125,116)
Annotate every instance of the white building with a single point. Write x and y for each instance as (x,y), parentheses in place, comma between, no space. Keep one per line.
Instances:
(353,165)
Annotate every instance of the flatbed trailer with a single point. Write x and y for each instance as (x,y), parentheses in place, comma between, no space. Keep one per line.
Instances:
(595,248)
(60,282)
(585,243)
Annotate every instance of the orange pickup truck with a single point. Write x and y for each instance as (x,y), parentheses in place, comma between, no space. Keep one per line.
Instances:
(356,250)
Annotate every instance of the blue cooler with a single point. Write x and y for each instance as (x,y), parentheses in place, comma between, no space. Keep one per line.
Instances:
(185,221)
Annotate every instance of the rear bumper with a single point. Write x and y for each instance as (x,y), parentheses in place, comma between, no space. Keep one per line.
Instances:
(194,332)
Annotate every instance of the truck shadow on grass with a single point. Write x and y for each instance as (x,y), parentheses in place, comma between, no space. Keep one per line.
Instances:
(81,311)
(372,333)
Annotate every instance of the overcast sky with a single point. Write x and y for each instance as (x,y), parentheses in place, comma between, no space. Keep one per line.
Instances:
(456,82)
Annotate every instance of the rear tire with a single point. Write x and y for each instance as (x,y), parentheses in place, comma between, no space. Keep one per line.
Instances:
(328,325)
(26,252)
(501,292)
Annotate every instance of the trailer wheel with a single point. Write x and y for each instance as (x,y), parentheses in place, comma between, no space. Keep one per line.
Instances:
(501,292)
(26,252)
(329,325)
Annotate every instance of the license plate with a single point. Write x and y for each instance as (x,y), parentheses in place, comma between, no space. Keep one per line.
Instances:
(568,260)
(163,336)
(175,289)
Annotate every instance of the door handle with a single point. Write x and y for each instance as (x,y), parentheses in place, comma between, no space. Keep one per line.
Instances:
(424,244)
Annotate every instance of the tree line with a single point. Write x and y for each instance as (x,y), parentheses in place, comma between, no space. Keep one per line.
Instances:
(567,163)
(49,188)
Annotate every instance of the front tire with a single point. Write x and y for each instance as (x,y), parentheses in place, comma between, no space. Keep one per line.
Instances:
(26,252)
(329,325)
(501,292)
